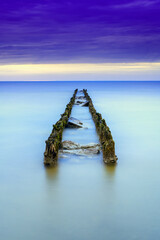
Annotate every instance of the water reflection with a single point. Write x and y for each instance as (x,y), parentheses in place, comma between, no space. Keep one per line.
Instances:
(51,173)
(110,170)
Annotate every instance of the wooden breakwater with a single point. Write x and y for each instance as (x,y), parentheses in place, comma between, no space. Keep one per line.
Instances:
(105,136)
(53,143)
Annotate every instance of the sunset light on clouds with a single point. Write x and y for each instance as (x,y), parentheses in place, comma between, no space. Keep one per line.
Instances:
(67,71)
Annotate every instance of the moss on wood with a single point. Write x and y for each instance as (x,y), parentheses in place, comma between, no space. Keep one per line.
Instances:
(54,141)
(105,136)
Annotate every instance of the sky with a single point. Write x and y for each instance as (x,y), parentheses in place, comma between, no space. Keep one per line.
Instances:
(122,38)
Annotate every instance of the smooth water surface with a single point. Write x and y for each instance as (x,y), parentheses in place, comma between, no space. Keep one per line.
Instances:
(81,198)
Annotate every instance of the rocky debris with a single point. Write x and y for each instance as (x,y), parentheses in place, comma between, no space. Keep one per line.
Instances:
(54,141)
(79,102)
(70,147)
(81,97)
(105,136)
(74,123)
(85,104)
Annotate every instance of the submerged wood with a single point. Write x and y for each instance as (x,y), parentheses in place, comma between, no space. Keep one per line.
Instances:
(105,136)
(80,100)
(53,143)
(85,104)
(81,97)
(74,123)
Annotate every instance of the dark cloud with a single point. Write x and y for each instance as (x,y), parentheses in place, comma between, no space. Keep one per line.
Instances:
(79,31)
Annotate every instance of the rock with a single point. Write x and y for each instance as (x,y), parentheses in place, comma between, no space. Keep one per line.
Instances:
(82,100)
(81,97)
(78,102)
(85,104)
(74,123)
(70,147)
(81,151)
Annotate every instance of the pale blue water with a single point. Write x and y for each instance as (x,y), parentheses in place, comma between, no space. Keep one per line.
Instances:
(81,198)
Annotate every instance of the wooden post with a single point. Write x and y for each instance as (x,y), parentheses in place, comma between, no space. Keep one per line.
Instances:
(53,143)
(105,136)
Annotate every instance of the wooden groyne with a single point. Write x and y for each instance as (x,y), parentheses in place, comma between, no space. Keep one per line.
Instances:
(53,143)
(105,136)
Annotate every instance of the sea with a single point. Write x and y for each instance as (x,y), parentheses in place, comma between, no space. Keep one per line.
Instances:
(80,198)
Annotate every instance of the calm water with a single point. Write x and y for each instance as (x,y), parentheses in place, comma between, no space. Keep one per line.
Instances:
(81,198)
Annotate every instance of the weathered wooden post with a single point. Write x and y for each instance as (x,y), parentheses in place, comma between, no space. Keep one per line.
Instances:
(53,143)
(105,136)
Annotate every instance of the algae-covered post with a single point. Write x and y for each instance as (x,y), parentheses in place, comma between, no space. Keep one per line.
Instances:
(54,141)
(105,136)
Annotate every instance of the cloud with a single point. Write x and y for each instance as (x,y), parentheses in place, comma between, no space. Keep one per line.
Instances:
(85,42)
(132,4)
(76,31)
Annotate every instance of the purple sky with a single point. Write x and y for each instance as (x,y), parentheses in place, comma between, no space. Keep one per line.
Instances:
(54,31)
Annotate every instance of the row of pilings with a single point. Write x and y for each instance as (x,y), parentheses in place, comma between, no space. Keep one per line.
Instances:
(105,136)
(54,141)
